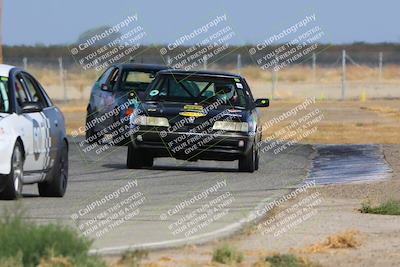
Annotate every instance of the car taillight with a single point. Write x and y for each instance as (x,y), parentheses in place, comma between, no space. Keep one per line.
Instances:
(129,111)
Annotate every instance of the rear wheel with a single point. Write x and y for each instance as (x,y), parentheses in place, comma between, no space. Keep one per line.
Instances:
(257,159)
(247,163)
(58,184)
(138,158)
(13,182)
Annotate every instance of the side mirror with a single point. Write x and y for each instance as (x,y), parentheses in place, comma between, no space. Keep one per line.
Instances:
(262,102)
(105,87)
(30,107)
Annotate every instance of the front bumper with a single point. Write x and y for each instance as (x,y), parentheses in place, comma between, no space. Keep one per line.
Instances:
(193,146)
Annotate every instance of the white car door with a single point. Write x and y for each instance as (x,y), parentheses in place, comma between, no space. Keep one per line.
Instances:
(35,130)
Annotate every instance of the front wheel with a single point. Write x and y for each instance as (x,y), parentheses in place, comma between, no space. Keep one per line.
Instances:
(249,161)
(13,182)
(90,133)
(58,184)
(138,158)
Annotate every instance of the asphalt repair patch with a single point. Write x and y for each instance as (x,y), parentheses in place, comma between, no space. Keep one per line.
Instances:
(337,164)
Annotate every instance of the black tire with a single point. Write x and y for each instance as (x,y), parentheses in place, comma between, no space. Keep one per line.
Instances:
(90,133)
(12,183)
(247,163)
(138,158)
(258,152)
(257,160)
(121,131)
(57,186)
(148,160)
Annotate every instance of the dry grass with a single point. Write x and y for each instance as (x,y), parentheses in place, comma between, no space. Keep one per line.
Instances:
(345,122)
(347,239)
(299,73)
(54,261)
(76,77)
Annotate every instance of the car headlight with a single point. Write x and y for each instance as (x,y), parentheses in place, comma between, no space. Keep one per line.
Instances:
(231,126)
(151,121)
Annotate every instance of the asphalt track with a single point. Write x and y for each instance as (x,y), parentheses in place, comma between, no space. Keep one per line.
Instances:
(153,219)
(172,203)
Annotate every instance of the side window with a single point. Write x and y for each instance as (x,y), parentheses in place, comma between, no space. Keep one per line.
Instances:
(4,101)
(20,93)
(113,77)
(34,91)
(248,91)
(104,77)
(161,86)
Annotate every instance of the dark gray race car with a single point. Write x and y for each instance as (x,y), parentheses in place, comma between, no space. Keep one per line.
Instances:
(120,86)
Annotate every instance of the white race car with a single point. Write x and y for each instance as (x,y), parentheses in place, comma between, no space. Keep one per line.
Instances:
(33,142)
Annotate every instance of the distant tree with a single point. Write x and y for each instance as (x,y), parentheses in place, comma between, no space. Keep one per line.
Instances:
(111,36)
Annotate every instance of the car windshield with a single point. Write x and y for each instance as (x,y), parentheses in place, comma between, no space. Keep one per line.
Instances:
(198,89)
(4,96)
(136,80)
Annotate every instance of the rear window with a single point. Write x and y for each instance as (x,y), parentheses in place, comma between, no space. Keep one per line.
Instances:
(136,80)
(4,95)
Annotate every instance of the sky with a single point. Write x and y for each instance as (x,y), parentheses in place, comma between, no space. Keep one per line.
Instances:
(48,22)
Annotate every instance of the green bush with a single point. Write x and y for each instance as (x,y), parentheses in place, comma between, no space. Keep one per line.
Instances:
(227,255)
(390,207)
(34,242)
(288,260)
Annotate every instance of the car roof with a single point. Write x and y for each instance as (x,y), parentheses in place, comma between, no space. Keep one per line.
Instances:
(200,73)
(137,66)
(5,69)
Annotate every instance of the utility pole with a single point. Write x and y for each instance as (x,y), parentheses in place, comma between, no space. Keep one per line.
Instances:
(380,65)
(274,74)
(343,73)
(1,31)
(168,60)
(314,59)
(239,63)
(62,81)
(204,62)
(25,62)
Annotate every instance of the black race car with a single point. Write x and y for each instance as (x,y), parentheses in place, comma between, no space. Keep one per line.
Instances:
(119,86)
(196,115)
